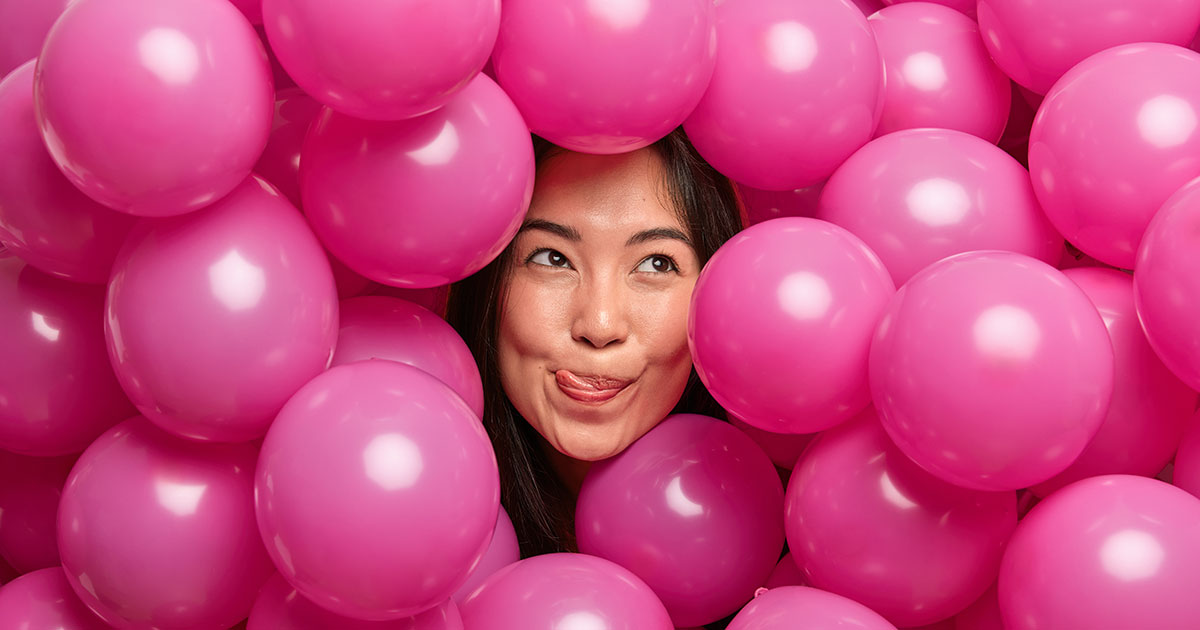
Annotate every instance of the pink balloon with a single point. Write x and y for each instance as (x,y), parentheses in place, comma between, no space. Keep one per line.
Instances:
(782,448)
(211,326)
(789,607)
(1167,284)
(7,573)
(30,488)
(694,508)
(374,327)
(966,7)
(797,88)
(920,195)
(57,390)
(786,573)
(281,607)
(187,98)
(44,219)
(984,614)
(938,72)
(280,160)
(1187,459)
(764,205)
(252,9)
(821,295)
(43,600)
(278,75)
(502,551)
(929,548)
(23,28)
(382,59)
(158,532)
(1150,407)
(1037,41)
(422,202)
(433,298)
(992,370)
(868,6)
(605,77)
(403,504)
(564,590)
(1116,551)
(1112,141)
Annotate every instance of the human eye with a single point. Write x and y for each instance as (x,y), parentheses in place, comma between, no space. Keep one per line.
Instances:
(549,258)
(658,263)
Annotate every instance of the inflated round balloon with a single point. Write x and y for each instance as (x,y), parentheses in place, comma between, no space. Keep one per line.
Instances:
(281,607)
(43,600)
(1113,139)
(564,590)
(764,205)
(934,548)
(377,327)
(786,573)
(1167,284)
(187,100)
(211,326)
(797,88)
(57,389)
(385,513)
(278,75)
(158,532)
(1037,41)
(694,508)
(1115,551)
(984,614)
(382,59)
(966,7)
(605,77)
(789,607)
(781,322)
(252,9)
(782,448)
(422,202)
(280,160)
(23,28)
(44,219)
(992,370)
(502,552)
(938,72)
(1150,407)
(1187,459)
(920,195)
(30,488)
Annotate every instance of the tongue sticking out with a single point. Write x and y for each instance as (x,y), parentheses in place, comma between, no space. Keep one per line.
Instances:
(566,378)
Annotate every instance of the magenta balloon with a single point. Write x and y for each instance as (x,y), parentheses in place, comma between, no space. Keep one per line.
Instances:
(1150,407)
(280,160)
(44,219)
(422,202)
(992,370)
(1037,41)
(1116,551)
(43,600)
(57,389)
(157,532)
(790,607)
(764,205)
(382,59)
(281,607)
(605,77)
(984,614)
(782,448)
(694,508)
(786,573)
(1113,139)
(797,88)
(30,488)
(1187,459)
(187,99)
(23,28)
(376,327)
(252,9)
(966,7)
(926,548)
(1167,284)
(920,195)
(938,72)
(821,294)
(868,6)
(405,445)
(502,551)
(564,590)
(211,326)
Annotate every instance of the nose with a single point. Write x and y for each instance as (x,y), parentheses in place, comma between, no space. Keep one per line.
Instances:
(600,313)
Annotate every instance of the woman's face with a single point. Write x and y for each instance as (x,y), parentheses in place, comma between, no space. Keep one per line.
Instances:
(593,336)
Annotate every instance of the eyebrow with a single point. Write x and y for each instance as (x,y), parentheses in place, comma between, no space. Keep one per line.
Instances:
(571,234)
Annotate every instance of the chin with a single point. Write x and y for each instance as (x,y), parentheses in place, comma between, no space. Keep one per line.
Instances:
(590,448)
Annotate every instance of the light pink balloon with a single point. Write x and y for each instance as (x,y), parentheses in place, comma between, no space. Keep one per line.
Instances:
(30,488)
(938,72)
(1116,551)
(764,205)
(1187,459)
(781,322)
(43,600)
(502,552)
(789,607)
(57,389)
(786,573)
(158,532)
(797,88)
(966,7)
(984,614)
(281,607)
(1150,407)
(992,370)
(1114,139)
(187,99)
(782,448)
(1037,41)
(211,325)
(44,219)
(927,548)
(1167,284)
(920,195)
(23,28)
(422,202)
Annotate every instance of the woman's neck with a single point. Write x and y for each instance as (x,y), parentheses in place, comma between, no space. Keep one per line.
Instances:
(570,470)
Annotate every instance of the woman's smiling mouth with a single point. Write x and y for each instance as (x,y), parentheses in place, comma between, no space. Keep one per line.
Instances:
(589,388)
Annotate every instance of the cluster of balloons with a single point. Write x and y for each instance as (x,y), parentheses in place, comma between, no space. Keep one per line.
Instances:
(959,342)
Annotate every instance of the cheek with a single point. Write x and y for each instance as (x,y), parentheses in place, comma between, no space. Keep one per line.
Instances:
(662,327)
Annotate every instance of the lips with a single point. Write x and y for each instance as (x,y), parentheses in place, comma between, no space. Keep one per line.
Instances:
(589,388)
